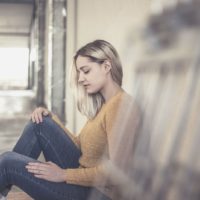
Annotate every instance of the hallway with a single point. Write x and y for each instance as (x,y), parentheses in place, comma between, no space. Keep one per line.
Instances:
(15,109)
(158,43)
(24,78)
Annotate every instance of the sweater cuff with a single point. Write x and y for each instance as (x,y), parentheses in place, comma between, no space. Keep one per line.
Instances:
(72,176)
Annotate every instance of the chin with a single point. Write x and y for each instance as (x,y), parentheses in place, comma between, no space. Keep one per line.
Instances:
(91,91)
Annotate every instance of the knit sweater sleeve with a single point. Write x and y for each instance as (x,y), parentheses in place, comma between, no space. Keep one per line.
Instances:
(120,126)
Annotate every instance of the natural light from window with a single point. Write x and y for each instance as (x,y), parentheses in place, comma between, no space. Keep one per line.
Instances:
(14,67)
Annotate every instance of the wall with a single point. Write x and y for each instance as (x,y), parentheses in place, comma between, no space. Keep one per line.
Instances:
(114,21)
(163,75)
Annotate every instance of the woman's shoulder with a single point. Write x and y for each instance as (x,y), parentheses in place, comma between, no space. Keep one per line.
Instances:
(122,110)
(127,102)
(122,101)
(124,98)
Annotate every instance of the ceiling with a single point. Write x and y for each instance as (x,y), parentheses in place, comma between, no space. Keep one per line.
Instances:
(15,22)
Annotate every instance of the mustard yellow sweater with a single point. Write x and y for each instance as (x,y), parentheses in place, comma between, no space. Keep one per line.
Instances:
(105,142)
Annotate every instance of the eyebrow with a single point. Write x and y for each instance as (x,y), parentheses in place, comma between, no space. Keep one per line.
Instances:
(82,67)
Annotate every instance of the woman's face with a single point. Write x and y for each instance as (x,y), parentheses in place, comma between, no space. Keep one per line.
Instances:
(91,75)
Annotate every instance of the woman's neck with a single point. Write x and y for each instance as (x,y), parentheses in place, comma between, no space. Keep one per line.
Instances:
(110,90)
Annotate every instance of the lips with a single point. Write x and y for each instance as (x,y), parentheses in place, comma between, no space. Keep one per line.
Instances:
(87,85)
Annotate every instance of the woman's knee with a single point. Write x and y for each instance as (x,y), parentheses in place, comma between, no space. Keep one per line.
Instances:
(47,120)
(6,157)
(33,126)
(30,125)
(48,124)
(11,159)
(7,154)
(44,128)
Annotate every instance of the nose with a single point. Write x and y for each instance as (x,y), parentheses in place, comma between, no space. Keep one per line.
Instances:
(81,77)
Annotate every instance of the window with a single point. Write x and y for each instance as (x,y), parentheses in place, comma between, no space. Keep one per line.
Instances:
(14,68)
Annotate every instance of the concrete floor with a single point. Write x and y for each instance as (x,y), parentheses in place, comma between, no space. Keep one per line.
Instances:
(15,110)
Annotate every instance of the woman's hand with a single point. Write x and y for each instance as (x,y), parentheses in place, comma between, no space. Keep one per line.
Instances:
(48,171)
(37,114)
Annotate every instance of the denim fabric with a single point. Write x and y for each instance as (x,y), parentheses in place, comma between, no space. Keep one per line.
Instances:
(49,138)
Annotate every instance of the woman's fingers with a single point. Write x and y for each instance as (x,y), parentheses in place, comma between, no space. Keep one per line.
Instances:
(37,168)
(48,171)
(39,115)
(41,176)
(46,112)
(36,116)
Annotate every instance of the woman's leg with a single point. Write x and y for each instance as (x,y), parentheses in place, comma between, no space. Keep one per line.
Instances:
(13,171)
(57,147)
(49,138)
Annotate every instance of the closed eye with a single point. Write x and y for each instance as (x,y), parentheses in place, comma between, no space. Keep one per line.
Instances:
(86,72)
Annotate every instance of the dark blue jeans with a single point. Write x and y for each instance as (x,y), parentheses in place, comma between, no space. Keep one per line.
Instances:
(49,138)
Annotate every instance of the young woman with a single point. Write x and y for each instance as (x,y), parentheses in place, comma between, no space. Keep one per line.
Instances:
(92,164)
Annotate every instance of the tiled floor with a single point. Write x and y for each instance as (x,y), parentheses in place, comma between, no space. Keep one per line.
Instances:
(15,109)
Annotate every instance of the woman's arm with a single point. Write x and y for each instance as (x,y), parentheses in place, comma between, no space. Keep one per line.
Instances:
(121,125)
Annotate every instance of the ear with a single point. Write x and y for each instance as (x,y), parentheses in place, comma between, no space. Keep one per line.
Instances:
(107,65)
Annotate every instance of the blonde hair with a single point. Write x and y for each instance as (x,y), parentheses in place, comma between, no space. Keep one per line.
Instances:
(97,51)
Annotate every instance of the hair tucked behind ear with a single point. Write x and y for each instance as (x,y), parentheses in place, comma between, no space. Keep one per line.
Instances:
(97,51)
